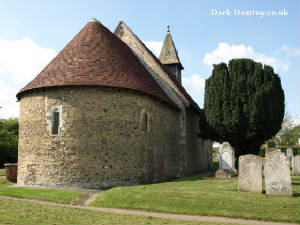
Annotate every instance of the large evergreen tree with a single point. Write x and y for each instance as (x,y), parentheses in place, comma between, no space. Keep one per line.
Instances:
(244,105)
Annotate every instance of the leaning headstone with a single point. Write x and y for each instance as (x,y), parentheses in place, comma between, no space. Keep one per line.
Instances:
(277,174)
(296,165)
(226,161)
(250,173)
(289,153)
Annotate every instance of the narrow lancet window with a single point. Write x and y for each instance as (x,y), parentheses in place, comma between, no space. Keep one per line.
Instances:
(55,122)
(145,122)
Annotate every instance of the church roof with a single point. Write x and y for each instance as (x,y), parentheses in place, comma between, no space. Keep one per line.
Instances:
(168,54)
(193,104)
(97,57)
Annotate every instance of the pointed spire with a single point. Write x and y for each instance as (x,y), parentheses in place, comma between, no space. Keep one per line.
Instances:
(168,54)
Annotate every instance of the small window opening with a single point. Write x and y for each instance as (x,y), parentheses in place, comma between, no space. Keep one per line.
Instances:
(145,122)
(55,122)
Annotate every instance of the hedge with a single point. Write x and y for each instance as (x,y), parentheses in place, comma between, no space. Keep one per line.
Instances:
(8,153)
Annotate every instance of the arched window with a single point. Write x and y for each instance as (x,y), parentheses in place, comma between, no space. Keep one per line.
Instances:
(144,121)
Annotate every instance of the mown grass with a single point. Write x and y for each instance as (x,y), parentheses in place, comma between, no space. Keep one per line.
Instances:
(2,172)
(198,196)
(61,196)
(25,213)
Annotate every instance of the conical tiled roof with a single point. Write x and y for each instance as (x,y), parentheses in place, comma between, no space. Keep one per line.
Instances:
(97,57)
(168,54)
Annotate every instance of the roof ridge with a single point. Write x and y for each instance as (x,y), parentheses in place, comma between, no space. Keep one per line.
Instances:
(166,70)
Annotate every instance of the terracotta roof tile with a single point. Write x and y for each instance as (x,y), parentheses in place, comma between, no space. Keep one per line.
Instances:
(95,56)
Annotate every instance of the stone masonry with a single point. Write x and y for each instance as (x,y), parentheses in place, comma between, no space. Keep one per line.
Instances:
(96,150)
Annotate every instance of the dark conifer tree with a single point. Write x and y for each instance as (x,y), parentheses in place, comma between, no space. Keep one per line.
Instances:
(244,105)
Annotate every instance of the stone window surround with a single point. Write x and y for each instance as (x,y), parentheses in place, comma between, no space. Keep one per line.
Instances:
(56,109)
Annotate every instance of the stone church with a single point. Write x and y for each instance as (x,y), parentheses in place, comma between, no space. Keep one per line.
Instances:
(107,112)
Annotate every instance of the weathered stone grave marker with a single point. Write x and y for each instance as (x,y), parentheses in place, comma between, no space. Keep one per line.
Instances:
(277,174)
(289,153)
(296,165)
(250,173)
(226,162)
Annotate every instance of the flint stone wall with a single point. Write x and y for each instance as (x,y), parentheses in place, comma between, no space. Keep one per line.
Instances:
(250,173)
(277,174)
(101,143)
(196,152)
(199,151)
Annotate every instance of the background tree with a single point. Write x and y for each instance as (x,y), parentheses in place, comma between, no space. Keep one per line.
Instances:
(244,105)
(9,129)
(287,123)
(289,137)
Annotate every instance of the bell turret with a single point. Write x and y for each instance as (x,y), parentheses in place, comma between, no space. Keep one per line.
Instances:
(169,56)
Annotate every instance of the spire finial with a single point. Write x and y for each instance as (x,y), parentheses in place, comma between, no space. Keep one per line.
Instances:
(94,20)
(168,29)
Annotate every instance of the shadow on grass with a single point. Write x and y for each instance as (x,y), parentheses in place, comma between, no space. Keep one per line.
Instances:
(295,183)
(200,176)
(194,177)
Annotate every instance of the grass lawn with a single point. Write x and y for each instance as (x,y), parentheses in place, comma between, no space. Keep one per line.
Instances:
(61,196)
(25,213)
(194,195)
(2,172)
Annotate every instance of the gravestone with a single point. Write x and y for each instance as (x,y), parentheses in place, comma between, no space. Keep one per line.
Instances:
(250,173)
(289,153)
(226,162)
(11,171)
(226,157)
(277,174)
(296,165)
